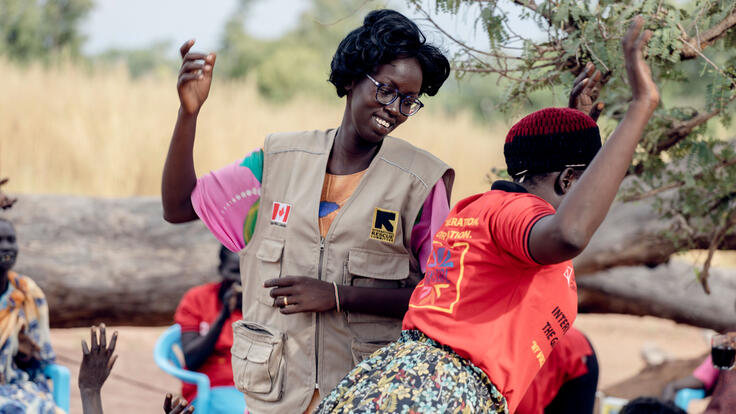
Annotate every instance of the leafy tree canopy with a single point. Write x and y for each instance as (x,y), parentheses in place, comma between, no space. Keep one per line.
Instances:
(38,29)
(682,160)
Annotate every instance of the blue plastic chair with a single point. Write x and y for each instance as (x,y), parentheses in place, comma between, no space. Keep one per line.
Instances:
(208,399)
(60,378)
(685,395)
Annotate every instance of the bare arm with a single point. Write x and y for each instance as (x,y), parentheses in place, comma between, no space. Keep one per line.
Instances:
(565,234)
(197,348)
(294,294)
(179,178)
(376,301)
(97,362)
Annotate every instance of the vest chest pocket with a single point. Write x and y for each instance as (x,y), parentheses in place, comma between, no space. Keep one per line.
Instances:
(269,257)
(375,270)
(258,362)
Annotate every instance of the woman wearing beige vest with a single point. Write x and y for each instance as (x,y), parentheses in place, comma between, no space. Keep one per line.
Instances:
(333,227)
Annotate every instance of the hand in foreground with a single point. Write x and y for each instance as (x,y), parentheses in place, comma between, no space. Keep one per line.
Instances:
(98,360)
(195,78)
(5,201)
(585,91)
(639,74)
(294,294)
(177,406)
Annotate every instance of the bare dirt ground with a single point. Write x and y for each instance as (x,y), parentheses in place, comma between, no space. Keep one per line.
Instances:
(138,386)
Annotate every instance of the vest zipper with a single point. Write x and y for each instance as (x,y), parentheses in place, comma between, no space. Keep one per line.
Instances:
(316,333)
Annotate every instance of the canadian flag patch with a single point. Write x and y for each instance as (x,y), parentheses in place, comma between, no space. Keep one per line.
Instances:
(280,213)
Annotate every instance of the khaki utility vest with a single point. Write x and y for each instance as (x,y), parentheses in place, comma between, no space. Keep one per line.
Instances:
(278,360)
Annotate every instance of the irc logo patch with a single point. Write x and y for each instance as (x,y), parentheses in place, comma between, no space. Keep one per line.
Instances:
(384,225)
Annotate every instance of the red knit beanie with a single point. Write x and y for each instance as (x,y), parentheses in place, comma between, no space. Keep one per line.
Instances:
(550,140)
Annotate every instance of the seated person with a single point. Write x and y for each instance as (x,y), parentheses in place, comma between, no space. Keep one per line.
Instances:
(25,345)
(567,382)
(206,314)
(720,385)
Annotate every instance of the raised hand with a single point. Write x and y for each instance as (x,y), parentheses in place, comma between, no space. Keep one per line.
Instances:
(294,294)
(177,406)
(5,201)
(585,91)
(195,78)
(97,361)
(643,89)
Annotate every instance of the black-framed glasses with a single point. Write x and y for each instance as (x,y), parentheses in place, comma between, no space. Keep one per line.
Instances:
(386,95)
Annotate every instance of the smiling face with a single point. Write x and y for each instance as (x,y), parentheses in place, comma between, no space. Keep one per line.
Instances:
(365,118)
(8,246)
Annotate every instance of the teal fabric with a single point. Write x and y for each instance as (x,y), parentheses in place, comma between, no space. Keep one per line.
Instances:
(254,162)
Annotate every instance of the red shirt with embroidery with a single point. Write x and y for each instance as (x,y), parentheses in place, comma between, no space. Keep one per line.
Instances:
(565,363)
(196,312)
(484,295)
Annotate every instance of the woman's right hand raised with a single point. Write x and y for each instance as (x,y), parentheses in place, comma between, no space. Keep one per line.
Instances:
(643,89)
(195,78)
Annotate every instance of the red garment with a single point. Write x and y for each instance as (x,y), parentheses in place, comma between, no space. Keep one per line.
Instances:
(197,310)
(484,295)
(565,363)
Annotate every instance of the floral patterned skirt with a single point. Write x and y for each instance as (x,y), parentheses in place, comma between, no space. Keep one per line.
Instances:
(414,375)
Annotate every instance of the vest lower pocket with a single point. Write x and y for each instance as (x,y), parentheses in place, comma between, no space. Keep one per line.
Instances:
(362,350)
(269,266)
(258,360)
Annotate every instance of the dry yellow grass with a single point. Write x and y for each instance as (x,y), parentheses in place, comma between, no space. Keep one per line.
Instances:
(75,131)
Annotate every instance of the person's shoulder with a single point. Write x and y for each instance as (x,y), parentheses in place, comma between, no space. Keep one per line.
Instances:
(206,290)
(400,145)
(24,283)
(311,141)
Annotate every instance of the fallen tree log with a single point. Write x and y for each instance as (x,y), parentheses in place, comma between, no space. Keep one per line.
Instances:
(117,261)
(631,235)
(668,291)
(109,260)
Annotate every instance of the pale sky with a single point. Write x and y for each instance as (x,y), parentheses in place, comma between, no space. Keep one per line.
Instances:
(138,23)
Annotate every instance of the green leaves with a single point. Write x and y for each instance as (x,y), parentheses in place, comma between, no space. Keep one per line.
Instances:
(39,29)
(683,150)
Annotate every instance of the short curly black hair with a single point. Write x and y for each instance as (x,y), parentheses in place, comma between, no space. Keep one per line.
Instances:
(386,35)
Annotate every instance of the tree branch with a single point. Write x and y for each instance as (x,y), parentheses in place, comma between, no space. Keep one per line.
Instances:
(716,241)
(707,38)
(459,42)
(678,184)
(682,129)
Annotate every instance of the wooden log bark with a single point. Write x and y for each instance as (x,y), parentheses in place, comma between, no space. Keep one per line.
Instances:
(631,235)
(117,261)
(668,291)
(109,260)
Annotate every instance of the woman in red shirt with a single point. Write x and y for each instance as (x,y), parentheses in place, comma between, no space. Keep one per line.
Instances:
(499,289)
(206,314)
